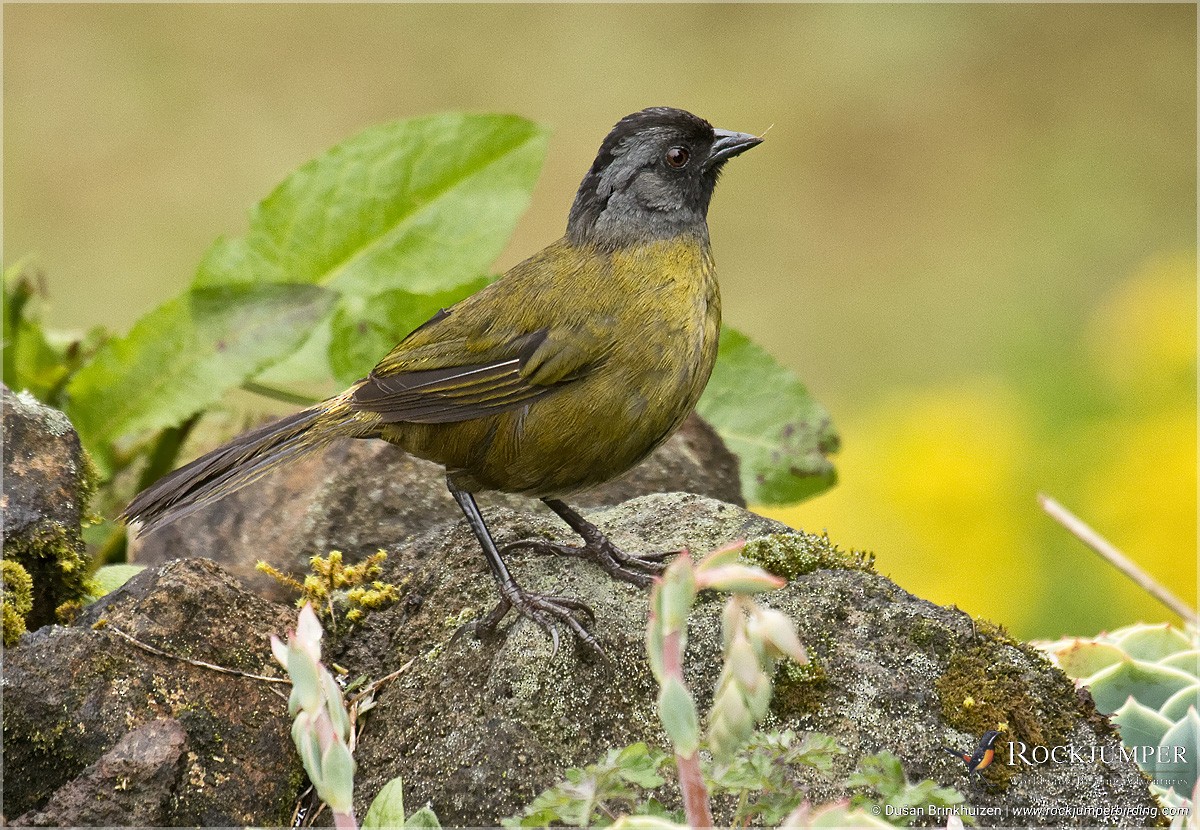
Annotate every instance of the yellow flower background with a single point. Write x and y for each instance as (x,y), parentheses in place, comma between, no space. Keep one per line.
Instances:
(940,481)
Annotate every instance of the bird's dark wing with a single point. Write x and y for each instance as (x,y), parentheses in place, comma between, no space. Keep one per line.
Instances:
(471,382)
(503,347)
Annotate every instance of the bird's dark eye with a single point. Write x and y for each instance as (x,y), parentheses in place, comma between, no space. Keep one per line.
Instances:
(677,157)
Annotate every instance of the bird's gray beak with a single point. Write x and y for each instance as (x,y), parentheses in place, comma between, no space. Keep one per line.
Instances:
(729,144)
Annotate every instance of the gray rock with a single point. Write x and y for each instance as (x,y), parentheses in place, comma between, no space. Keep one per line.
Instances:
(130,786)
(72,694)
(360,496)
(479,728)
(46,487)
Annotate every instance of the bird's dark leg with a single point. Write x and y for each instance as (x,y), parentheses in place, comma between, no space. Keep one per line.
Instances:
(597,548)
(546,611)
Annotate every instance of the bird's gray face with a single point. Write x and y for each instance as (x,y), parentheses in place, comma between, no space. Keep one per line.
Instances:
(653,179)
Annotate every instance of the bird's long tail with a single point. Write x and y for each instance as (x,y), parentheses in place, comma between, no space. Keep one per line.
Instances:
(244,460)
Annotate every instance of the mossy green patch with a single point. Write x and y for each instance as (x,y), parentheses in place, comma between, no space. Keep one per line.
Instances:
(984,687)
(54,557)
(800,688)
(16,596)
(791,555)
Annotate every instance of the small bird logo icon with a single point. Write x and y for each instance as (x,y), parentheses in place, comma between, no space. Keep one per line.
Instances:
(981,758)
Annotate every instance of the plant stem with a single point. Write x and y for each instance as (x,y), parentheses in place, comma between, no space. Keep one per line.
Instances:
(695,793)
(344,821)
(1082,531)
(691,781)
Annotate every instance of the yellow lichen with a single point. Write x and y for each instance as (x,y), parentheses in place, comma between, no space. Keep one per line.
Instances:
(334,588)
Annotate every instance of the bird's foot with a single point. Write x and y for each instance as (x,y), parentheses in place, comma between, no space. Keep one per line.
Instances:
(546,610)
(638,570)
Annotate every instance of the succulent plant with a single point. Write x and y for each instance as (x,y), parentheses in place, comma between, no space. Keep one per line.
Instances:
(1147,678)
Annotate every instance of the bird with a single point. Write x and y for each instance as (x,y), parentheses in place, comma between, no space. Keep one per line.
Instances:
(981,758)
(562,374)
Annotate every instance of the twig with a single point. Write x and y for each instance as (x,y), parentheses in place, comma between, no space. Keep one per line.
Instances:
(367,696)
(202,664)
(1120,561)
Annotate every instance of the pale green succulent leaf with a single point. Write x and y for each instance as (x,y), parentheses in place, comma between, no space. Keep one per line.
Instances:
(337,785)
(1151,685)
(1178,704)
(1083,658)
(1152,643)
(677,711)
(1189,661)
(1140,725)
(1183,735)
(424,818)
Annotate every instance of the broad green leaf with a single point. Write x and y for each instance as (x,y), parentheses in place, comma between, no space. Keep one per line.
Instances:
(365,330)
(30,360)
(181,357)
(111,577)
(421,206)
(766,416)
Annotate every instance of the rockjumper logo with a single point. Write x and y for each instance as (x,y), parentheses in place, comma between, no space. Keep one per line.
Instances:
(981,758)
(1020,753)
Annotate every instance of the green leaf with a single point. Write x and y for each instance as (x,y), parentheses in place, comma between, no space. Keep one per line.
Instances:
(1181,766)
(1084,658)
(364,330)
(421,206)
(1140,725)
(677,711)
(1152,642)
(639,765)
(1177,704)
(336,785)
(111,577)
(766,416)
(181,357)
(30,361)
(1188,661)
(387,810)
(424,818)
(1149,684)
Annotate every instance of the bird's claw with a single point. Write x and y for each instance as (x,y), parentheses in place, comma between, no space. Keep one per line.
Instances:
(637,570)
(547,611)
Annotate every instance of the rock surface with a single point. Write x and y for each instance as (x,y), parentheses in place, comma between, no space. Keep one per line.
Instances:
(479,728)
(72,694)
(130,786)
(41,509)
(360,496)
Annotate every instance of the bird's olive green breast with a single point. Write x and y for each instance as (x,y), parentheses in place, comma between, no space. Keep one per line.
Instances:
(631,338)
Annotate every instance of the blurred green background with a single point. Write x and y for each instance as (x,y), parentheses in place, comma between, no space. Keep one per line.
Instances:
(971,231)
